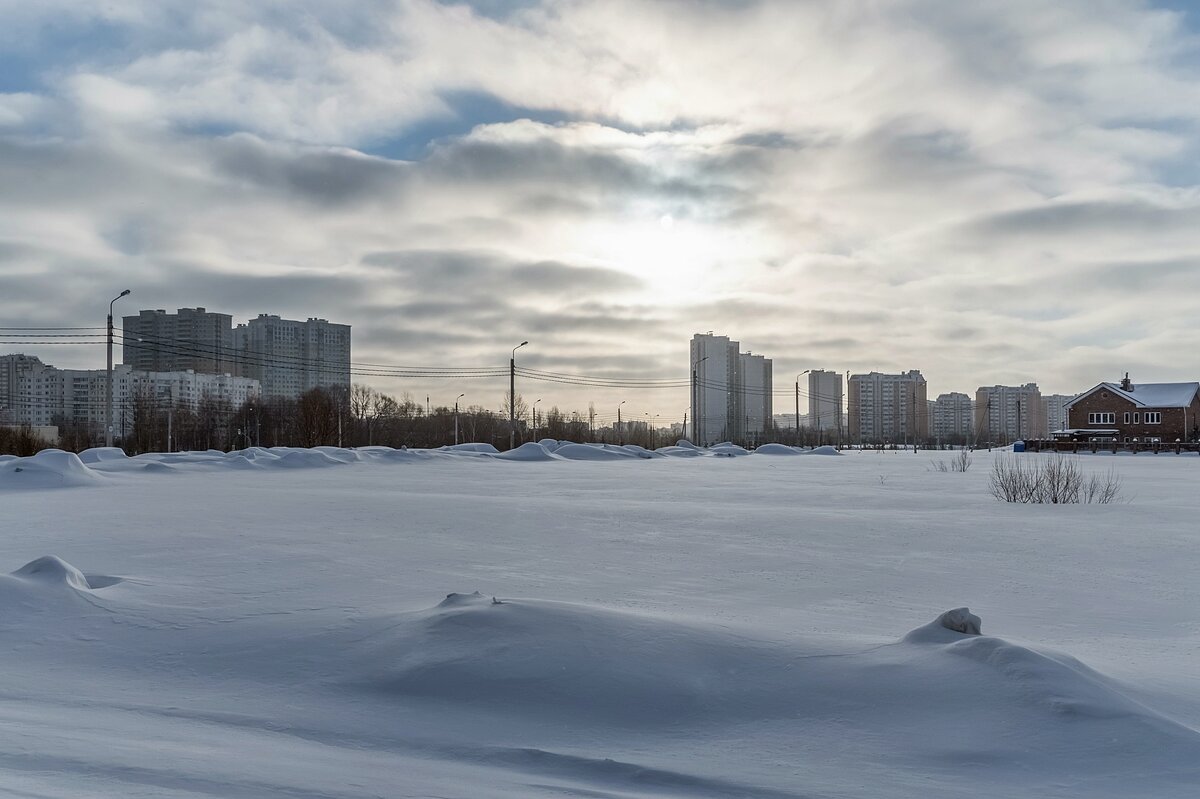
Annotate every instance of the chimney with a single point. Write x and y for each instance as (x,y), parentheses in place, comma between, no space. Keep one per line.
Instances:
(1125,384)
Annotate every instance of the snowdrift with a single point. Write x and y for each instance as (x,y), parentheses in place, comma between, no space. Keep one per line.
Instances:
(777,449)
(50,468)
(591,452)
(46,580)
(586,665)
(529,451)
(53,468)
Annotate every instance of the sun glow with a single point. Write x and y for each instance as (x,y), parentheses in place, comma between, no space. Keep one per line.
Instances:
(675,258)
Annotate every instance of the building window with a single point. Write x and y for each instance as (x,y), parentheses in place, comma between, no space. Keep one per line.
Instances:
(1127,414)
(1153,417)
(1102,417)
(1137,418)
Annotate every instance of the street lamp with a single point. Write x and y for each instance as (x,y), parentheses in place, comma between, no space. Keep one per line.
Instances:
(695,402)
(534,414)
(620,439)
(456,399)
(806,371)
(512,396)
(108,422)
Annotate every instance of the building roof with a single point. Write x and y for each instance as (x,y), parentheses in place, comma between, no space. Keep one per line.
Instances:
(1149,395)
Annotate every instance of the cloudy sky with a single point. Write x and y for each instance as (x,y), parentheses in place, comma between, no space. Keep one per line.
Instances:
(988,192)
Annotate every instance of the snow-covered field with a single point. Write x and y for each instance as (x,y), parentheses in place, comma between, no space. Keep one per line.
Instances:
(304,624)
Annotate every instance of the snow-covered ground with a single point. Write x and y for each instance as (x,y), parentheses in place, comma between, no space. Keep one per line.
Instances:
(304,623)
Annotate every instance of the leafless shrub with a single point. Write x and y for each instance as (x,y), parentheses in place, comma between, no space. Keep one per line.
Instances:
(1054,481)
(961,462)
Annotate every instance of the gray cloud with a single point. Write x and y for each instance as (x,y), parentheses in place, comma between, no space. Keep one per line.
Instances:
(490,274)
(978,191)
(319,176)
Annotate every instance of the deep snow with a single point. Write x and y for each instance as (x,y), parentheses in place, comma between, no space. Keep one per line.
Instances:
(568,620)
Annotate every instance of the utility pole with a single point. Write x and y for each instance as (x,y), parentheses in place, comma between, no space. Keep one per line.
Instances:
(108,425)
(456,399)
(533,413)
(619,432)
(512,396)
(806,371)
(695,402)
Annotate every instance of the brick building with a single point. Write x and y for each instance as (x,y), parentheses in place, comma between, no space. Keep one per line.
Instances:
(1139,412)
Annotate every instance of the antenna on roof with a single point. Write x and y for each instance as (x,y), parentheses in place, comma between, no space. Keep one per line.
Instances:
(1125,384)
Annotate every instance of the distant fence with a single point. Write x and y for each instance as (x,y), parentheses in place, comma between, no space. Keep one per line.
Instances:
(1054,445)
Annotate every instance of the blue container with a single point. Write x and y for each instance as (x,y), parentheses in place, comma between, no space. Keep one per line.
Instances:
(1018,446)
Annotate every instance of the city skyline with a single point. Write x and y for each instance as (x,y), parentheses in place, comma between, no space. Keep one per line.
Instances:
(990,195)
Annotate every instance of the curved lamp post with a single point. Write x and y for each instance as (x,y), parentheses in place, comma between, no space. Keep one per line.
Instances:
(108,422)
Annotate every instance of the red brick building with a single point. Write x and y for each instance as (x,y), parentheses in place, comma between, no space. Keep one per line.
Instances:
(1146,412)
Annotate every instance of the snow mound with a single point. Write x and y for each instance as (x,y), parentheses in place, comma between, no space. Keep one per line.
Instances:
(50,468)
(240,460)
(589,452)
(305,459)
(486,449)
(254,454)
(776,449)
(51,570)
(949,626)
(825,449)
(680,452)
(98,454)
(683,443)
(340,454)
(550,443)
(553,658)
(1056,682)
(529,451)
(642,452)
(728,450)
(582,664)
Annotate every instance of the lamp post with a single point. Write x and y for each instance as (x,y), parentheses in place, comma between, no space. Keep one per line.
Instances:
(806,371)
(620,437)
(534,414)
(456,399)
(512,396)
(695,402)
(108,422)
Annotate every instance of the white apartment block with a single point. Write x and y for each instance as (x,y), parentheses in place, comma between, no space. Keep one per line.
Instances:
(12,369)
(952,417)
(716,400)
(887,408)
(42,396)
(1056,411)
(731,391)
(290,357)
(190,388)
(756,374)
(1009,413)
(825,400)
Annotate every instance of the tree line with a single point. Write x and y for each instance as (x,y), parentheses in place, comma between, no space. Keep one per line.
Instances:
(361,416)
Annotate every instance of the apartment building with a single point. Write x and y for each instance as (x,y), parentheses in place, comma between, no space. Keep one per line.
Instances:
(887,408)
(825,400)
(756,374)
(952,418)
(1009,413)
(43,396)
(731,391)
(191,338)
(289,357)
(12,369)
(1056,410)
